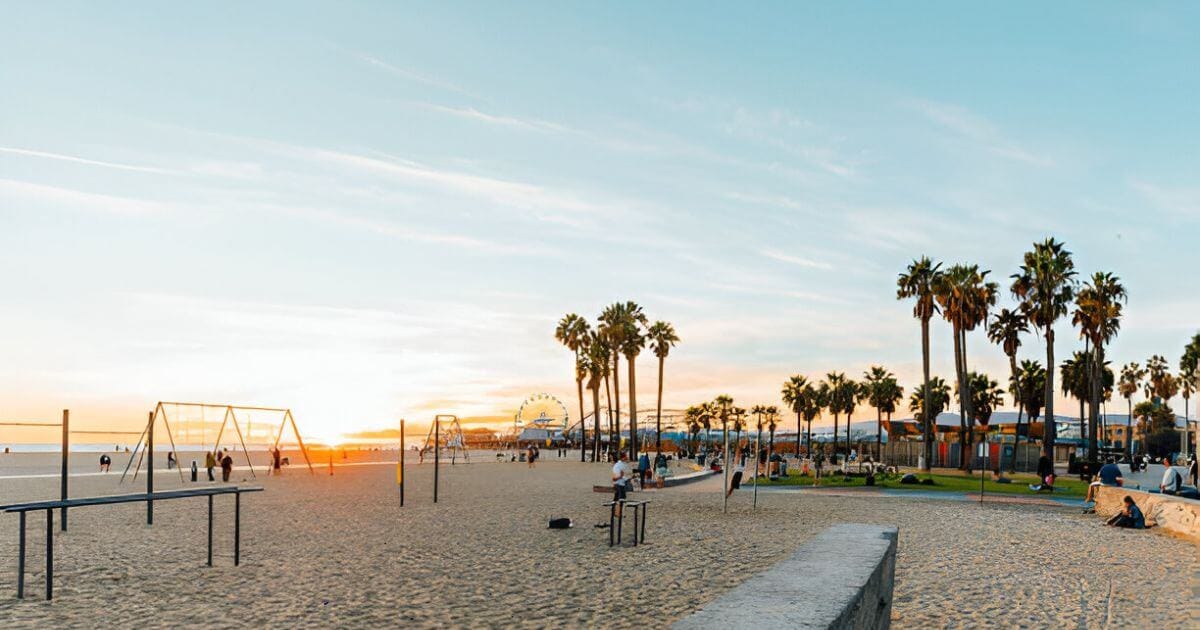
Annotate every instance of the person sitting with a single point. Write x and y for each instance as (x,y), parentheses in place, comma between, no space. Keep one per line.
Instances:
(1130,516)
(1172,481)
(1047,483)
(1109,475)
(998,478)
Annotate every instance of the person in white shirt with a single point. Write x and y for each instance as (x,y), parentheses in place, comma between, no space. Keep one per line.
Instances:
(621,474)
(1171,480)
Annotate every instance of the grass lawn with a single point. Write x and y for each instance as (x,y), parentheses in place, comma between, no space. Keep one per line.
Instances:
(942,482)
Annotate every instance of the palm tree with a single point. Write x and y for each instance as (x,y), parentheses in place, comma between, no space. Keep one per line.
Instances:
(573,332)
(965,296)
(1045,288)
(918,282)
(794,397)
(707,415)
(877,383)
(815,399)
(722,407)
(691,415)
(1073,374)
(662,338)
(1005,331)
(739,423)
(1098,315)
(939,395)
(1189,373)
(772,420)
(594,363)
(892,397)
(1132,376)
(1031,391)
(834,387)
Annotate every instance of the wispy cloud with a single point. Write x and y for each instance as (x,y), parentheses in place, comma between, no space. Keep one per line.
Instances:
(796,260)
(470,113)
(411,75)
(1181,202)
(80,160)
(77,199)
(978,129)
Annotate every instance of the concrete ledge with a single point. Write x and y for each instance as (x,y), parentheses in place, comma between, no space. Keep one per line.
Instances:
(669,482)
(1175,515)
(843,578)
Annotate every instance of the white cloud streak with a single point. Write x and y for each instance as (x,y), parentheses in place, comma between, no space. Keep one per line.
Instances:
(796,260)
(79,160)
(978,129)
(76,199)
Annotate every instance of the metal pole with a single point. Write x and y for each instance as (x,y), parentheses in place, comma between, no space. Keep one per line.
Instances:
(21,561)
(210,521)
(756,462)
(150,469)
(401,463)
(725,488)
(331,461)
(983,469)
(66,454)
(437,441)
(237,528)
(49,554)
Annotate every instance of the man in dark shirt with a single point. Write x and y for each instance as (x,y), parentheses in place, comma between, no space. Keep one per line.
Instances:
(1109,475)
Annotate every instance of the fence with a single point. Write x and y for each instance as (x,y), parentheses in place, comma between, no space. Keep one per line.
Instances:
(948,455)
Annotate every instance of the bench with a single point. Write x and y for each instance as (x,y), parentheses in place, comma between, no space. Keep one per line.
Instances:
(21,509)
(639,525)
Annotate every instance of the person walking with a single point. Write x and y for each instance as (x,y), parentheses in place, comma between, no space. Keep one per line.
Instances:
(210,462)
(226,467)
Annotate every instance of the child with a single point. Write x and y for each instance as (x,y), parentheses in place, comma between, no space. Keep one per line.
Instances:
(1130,516)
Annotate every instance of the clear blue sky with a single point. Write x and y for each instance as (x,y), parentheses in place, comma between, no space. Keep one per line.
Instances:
(367,211)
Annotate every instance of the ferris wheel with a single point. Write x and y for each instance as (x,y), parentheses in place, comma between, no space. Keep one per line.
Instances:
(543,411)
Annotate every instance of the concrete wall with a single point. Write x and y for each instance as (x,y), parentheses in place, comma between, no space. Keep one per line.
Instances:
(842,578)
(1177,516)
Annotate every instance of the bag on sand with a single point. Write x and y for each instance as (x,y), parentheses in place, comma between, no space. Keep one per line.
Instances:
(560,523)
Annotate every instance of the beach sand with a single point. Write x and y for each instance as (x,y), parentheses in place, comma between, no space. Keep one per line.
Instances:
(321,550)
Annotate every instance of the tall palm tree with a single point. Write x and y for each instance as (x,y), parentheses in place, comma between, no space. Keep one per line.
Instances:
(573,332)
(691,416)
(794,397)
(892,397)
(877,382)
(1132,376)
(1098,315)
(1189,372)
(1074,376)
(834,395)
(722,408)
(815,400)
(662,338)
(1005,331)
(918,282)
(1045,288)
(596,362)
(852,393)
(772,424)
(965,296)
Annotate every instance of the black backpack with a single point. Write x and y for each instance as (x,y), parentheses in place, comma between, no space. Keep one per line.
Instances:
(560,523)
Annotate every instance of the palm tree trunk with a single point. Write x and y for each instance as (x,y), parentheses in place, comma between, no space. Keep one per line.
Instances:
(1129,430)
(878,433)
(633,436)
(799,432)
(1012,366)
(1094,402)
(617,398)
(926,421)
(1050,431)
(582,426)
(962,415)
(835,438)
(658,413)
(596,422)
(608,398)
(968,402)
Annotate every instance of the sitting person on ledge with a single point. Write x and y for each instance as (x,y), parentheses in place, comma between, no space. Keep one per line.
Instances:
(1047,483)
(1130,516)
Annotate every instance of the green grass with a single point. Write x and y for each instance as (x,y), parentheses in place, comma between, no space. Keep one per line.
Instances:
(942,482)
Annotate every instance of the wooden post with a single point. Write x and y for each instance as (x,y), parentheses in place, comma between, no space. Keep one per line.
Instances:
(725,465)
(49,554)
(150,469)
(66,454)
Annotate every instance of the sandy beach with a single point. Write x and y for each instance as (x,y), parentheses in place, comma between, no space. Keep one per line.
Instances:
(320,550)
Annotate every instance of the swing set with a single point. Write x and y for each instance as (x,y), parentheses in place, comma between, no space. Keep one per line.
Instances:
(186,415)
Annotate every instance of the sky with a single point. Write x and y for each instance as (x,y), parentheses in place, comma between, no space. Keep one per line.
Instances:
(374,211)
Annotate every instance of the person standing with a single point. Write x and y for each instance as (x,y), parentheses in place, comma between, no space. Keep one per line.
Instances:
(210,462)
(738,471)
(643,468)
(621,475)
(226,467)
(105,462)
(276,456)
